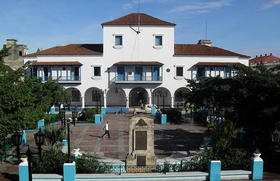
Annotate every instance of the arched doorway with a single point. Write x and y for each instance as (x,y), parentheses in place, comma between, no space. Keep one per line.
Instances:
(181,97)
(116,97)
(94,97)
(75,94)
(161,97)
(138,96)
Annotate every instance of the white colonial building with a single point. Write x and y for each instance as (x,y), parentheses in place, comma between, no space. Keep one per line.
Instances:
(138,62)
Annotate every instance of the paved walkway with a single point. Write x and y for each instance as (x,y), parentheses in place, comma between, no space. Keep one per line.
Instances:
(168,138)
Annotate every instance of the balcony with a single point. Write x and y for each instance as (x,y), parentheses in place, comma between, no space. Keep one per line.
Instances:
(143,72)
(63,72)
(141,80)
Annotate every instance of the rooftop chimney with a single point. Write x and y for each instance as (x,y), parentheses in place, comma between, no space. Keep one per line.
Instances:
(11,42)
(205,42)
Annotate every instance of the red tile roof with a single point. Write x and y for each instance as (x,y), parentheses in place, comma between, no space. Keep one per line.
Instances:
(265,59)
(195,49)
(215,63)
(132,19)
(71,49)
(138,63)
(56,63)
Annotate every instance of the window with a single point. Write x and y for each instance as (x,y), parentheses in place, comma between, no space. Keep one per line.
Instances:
(20,53)
(179,71)
(118,40)
(96,71)
(158,40)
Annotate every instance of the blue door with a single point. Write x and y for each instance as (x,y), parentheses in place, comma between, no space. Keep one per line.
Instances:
(155,73)
(120,72)
(138,73)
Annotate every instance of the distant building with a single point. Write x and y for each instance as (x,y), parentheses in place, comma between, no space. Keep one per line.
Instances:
(269,61)
(15,59)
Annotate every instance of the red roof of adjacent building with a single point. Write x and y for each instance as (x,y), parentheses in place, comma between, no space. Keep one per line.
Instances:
(195,49)
(223,64)
(264,59)
(138,63)
(56,63)
(72,49)
(133,19)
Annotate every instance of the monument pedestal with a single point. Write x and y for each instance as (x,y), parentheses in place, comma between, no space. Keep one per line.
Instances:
(141,156)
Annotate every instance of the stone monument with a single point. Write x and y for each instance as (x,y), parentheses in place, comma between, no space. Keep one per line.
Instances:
(141,156)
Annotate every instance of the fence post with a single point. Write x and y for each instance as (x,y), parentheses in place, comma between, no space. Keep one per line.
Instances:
(257,168)
(69,171)
(23,171)
(214,168)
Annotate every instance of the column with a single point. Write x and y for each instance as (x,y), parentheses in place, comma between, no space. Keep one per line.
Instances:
(23,171)
(214,168)
(150,100)
(83,101)
(127,101)
(257,168)
(69,171)
(172,101)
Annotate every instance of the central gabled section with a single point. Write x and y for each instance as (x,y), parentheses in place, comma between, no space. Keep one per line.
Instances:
(137,72)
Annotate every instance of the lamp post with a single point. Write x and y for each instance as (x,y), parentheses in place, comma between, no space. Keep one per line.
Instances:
(39,140)
(62,114)
(68,122)
(276,137)
(17,140)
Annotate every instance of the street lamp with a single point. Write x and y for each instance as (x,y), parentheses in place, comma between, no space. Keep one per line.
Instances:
(17,140)
(39,140)
(62,114)
(69,121)
(276,139)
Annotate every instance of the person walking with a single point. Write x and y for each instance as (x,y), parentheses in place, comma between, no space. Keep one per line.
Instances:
(106,127)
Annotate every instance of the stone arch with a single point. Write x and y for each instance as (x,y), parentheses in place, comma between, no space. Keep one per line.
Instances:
(180,97)
(116,97)
(138,96)
(161,97)
(94,97)
(75,94)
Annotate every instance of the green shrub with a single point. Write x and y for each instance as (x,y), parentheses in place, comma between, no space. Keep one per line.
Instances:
(173,115)
(89,164)
(52,162)
(87,115)
(51,118)
(257,151)
(55,135)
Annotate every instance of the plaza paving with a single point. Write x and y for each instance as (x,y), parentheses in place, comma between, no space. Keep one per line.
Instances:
(168,138)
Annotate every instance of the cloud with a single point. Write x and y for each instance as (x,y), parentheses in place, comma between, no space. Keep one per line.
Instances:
(127,6)
(202,7)
(270,4)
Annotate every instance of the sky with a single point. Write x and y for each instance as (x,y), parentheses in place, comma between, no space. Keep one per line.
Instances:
(250,27)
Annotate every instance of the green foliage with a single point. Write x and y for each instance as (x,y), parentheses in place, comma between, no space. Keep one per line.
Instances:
(52,162)
(89,164)
(257,151)
(50,118)
(235,159)
(250,100)
(222,136)
(55,135)
(173,115)
(24,102)
(87,115)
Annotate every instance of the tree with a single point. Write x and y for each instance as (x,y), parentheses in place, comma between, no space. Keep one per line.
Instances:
(250,100)
(24,100)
